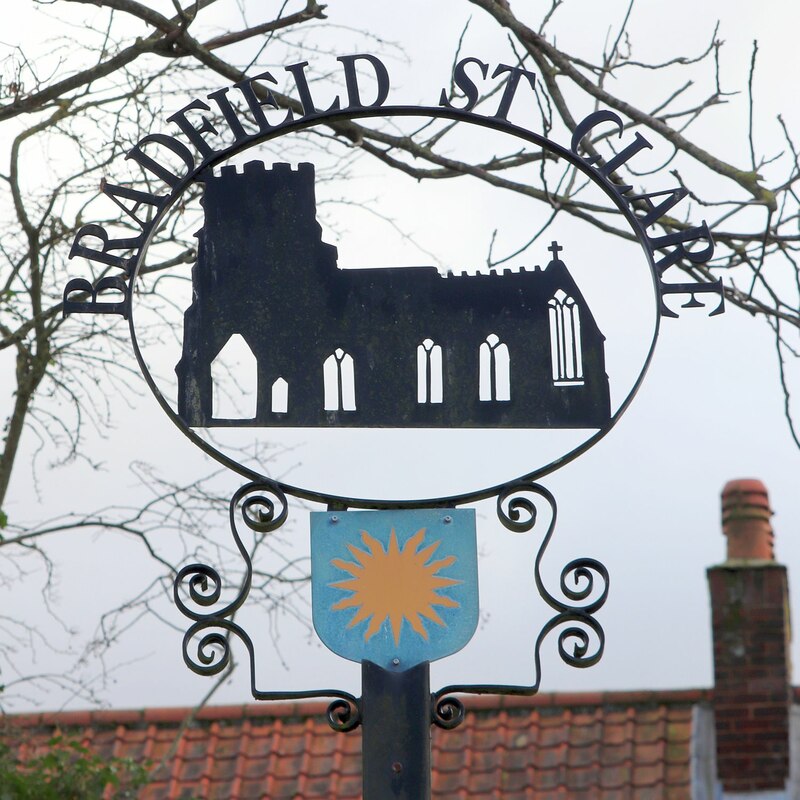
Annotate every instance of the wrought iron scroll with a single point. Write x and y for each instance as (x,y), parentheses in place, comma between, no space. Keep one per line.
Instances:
(583,590)
(206,644)
(518,507)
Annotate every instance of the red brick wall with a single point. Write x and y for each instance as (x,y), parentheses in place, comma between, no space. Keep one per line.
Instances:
(750,623)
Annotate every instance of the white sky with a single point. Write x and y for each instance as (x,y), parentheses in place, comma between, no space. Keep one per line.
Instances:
(645,501)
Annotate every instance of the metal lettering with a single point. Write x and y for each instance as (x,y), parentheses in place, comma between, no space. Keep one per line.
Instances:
(655,212)
(515,73)
(220,97)
(103,255)
(109,283)
(192,133)
(139,198)
(592,121)
(465,83)
(586,125)
(304,90)
(692,289)
(680,239)
(159,170)
(256,105)
(639,143)
(351,80)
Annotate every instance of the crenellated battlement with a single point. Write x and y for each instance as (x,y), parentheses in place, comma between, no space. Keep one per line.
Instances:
(300,175)
(492,273)
(303,170)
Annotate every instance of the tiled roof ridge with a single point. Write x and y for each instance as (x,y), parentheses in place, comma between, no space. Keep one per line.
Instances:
(172,715)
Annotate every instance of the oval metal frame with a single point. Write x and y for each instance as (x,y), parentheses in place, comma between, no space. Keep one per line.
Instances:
(432,112)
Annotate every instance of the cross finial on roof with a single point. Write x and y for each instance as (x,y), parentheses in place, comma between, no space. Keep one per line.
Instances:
(555,249)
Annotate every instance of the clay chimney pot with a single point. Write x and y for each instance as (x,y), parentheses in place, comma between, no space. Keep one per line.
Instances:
(745,520)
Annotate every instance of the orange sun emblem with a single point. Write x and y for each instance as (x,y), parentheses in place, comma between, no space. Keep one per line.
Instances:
(394,584)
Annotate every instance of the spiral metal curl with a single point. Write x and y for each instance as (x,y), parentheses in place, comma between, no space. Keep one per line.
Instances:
(264,507)
(213,650)
(343,715)
(581,656)
(583,572)
(205,584)
(448,712)
(516,509)
(574,642)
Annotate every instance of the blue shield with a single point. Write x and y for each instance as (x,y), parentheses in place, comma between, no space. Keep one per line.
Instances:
(394,587)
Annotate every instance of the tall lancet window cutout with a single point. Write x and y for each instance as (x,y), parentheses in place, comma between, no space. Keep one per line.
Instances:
(338,375)
(565,340)
(234,381)
(280,396)
(429,372)
(495,370)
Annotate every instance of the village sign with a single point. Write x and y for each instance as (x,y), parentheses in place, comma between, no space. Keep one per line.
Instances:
(380,348)
(121,259)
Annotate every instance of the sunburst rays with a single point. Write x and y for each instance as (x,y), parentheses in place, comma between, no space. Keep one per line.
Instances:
(395,584)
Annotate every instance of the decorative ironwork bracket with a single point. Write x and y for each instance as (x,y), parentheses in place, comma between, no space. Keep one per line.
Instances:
(518,511)
(263,508)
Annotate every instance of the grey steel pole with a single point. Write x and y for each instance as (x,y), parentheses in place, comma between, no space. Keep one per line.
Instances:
(396,732)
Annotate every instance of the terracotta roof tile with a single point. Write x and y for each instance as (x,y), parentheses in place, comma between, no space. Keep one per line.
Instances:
(598,746)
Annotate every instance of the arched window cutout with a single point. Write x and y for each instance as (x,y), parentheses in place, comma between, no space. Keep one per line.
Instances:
(338,374)
(495,370)
(429,372)
(280,396)
(565,340)
(234,380)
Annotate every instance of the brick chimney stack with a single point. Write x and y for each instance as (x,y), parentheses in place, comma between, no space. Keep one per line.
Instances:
(750,623)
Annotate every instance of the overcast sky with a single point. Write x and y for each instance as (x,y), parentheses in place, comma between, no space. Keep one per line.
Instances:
(645,501)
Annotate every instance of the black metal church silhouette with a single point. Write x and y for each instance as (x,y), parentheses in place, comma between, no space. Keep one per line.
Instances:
(378,347)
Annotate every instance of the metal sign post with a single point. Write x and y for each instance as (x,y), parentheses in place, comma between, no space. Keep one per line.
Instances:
(525,349)
(396,732)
